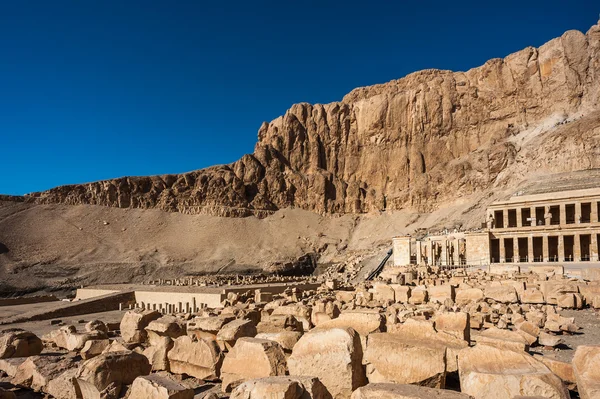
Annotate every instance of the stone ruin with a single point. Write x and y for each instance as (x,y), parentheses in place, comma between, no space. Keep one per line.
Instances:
(416,332)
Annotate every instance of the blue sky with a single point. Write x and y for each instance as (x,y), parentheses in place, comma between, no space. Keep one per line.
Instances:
(96,89)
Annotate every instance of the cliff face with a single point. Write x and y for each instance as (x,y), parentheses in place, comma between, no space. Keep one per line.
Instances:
(416,142)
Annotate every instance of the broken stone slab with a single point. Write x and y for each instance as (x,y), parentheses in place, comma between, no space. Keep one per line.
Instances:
(334,356)
(155,386)
(96,325)
(394,358)
(195,357)
(133,325)
(207,327)
(532,296)
(94,347)
(300,312)
(549,340)
(502,339)
(456,324)
(68,338)
(502,294)
(287,339)
(284,387)
(563,370)
(252,358)
(488,372)
(465,296)
(105,375)
(529,331)
(586,366)
(19,343)
(166,326)
(402,391)
(36,372)
(10,365)
(441,293)
(232,331)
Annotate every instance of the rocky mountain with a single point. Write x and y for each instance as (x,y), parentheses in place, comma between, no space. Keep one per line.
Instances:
(416,142)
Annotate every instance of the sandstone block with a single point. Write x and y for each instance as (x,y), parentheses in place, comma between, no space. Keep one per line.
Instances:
(195,357)
(502,339)
(38,371)
(586,366)
(456,324)
(502,294)
(18,343)
(94,347)
(334,356)
(252,358)
(394,359)
(134,323)
(286,339)
(400,391)
(104,376)
(468,295)
(401,292)
(441,293)
(232,331)
(492,373)
(157,387)
(284,387)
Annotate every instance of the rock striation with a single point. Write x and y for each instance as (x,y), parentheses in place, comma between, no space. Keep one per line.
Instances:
(415,142)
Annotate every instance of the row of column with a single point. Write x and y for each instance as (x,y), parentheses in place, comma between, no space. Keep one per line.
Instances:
(562,215)
(593,251)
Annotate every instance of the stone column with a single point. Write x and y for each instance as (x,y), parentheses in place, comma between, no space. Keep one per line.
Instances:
(505,218)
(418,249)
(431,252)
(519,218)
(402,250)
(594,213)
(577,244)
(545,253)
(562,220)
(594,246)
(502,250)
(530,248)
(444,255)
(456,252)
(578,212)
(532,215)
(516,257)
(561,245)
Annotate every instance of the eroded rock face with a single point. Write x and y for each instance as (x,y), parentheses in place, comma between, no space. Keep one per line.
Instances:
(413,142)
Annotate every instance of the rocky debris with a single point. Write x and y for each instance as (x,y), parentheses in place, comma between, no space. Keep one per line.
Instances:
(18,343)
(134,323)
(489,372)
(286,387)
(37,372)
(105,375)
(158,387)
(285,339)
(334,356)
(161,333)
(9,366)
(252,358)
(399,391)
(195,357)
(586,366)
(68,338)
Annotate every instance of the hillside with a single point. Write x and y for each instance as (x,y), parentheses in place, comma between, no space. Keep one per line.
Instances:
(427,151)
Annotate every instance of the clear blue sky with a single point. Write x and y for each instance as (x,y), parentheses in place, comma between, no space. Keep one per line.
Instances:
(95,89)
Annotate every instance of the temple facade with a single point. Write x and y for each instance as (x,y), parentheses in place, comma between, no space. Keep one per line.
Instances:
(527,229)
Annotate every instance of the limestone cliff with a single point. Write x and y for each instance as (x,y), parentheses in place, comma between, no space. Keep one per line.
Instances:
(416,142)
